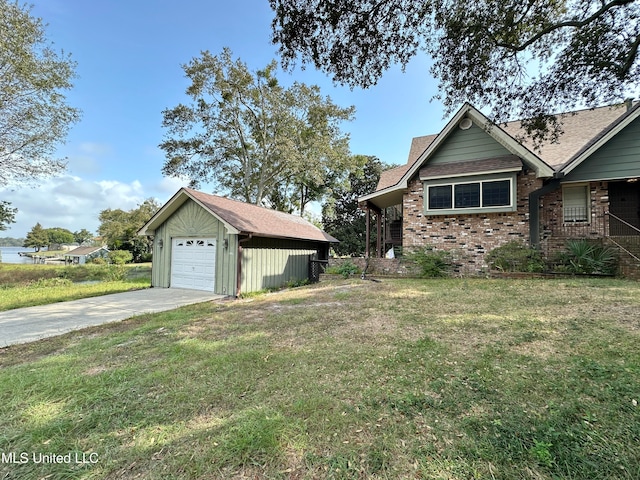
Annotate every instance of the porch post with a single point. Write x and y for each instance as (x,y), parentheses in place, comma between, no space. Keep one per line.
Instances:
(367,252)
(379,235)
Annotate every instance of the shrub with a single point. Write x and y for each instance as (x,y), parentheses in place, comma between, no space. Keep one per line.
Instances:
(514,256)
(583,257)
(432,263)
(347,268)
(120,257)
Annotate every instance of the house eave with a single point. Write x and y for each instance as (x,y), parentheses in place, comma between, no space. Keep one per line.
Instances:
(387,197)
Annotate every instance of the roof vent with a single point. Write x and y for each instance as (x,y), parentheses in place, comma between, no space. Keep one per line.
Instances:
(465,123)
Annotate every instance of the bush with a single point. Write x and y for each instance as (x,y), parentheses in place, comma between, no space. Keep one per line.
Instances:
(347,268)
(515,257)
(583,257)
(432,263)
(120,257)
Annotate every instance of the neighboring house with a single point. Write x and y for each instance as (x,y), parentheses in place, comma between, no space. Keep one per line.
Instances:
(207,242)
(82,255)
(477,185)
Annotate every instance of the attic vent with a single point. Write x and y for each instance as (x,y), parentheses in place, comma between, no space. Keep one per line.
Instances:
(465,124)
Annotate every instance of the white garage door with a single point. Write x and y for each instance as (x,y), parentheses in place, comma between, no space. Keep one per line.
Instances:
(193,263)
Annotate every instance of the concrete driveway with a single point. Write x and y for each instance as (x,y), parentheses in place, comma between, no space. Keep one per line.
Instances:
(33,323)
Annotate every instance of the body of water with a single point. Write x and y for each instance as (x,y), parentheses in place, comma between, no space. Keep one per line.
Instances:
(10,255)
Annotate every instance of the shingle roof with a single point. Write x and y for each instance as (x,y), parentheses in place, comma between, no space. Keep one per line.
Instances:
(78,251)
(260,221)
(504,163)
(580,129)
(390,177)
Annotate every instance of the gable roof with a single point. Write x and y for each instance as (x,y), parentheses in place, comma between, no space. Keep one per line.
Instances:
(79,251)
(241,218)
(583,132)
(579,129)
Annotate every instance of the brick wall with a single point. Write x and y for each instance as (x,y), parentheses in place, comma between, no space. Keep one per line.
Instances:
(381,266)
(468,236)
(555,233)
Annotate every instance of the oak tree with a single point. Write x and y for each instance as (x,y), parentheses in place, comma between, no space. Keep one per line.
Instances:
(520,58)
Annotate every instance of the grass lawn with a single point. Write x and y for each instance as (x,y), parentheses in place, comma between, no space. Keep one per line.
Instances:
(347,379)
(29,285)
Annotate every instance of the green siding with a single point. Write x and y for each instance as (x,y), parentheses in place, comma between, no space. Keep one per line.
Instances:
(467,145)
(191,220)
(619,158)
(271,263)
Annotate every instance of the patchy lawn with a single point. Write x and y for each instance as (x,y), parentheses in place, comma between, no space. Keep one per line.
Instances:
(455,379)
(29,285)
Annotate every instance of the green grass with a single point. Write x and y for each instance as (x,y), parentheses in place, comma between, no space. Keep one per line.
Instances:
(438,379)
(29,285)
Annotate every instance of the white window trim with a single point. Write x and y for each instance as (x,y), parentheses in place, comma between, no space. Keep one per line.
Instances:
(453,181)
(587,199)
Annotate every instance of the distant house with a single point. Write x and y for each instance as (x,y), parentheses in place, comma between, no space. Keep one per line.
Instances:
(82,255)
(212,243)
(477,185)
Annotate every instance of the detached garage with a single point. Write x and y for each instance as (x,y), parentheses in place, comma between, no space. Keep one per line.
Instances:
(212,243)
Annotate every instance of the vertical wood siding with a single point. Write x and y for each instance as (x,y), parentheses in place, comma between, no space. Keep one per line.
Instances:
(191,220)
(271,263)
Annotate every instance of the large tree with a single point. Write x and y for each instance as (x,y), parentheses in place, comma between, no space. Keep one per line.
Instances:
(34,115)
(254,138)
(82,236)
(37,237)
(119,228)
(528,58)
(341,216)
(59,236)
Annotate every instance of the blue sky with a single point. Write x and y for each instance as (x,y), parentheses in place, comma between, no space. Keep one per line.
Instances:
(129,55)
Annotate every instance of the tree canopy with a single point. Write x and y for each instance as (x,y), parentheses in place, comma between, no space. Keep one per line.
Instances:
(254,138)
(341,216)
(119,228)
(34,115)
(7,215)
(82,236)
(59,236)
(527,58)
(37,237)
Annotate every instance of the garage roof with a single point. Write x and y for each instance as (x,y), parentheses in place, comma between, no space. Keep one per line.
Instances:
(241,217)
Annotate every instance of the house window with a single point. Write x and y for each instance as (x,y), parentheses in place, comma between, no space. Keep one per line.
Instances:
(496,193)
(575,203)
(440,197)
(492,194)
(467,195)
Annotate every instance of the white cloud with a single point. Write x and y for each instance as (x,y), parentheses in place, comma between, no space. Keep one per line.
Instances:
(70,202)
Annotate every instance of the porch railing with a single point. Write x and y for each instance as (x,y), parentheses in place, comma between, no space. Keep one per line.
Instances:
(624,235)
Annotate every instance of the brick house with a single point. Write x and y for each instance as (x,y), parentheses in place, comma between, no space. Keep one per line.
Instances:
(477,185)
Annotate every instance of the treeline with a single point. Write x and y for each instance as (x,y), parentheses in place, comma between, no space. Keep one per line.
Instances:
(11,242)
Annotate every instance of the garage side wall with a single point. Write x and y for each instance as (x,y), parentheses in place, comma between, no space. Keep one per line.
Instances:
(272,263)
(191,220)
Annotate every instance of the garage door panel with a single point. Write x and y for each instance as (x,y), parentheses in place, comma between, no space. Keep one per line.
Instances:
(193,263)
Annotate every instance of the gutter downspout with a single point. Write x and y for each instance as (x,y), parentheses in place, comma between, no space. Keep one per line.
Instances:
(534,210)
(239,262)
